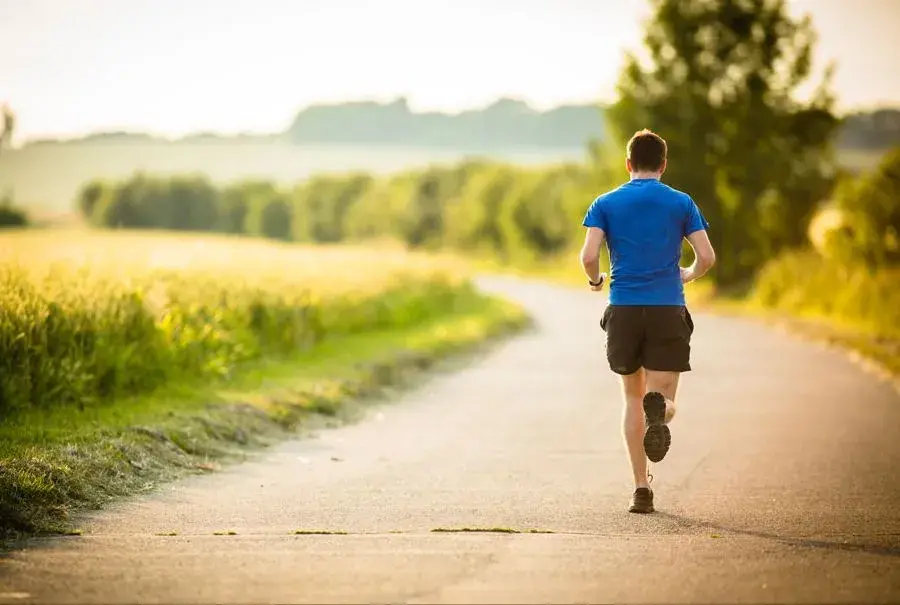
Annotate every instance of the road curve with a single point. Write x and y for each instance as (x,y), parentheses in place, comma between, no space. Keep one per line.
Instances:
(781,486)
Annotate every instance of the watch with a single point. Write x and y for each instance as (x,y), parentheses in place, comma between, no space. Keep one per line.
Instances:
(597,283)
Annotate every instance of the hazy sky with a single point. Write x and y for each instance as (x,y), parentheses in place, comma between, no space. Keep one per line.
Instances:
(175,66)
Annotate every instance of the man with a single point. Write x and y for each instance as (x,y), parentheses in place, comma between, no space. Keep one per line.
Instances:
(648,327)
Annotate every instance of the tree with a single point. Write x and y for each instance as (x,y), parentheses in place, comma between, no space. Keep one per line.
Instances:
(194,204)
(720,86)
(275,219)
(10,215)
(869,210)
(89,196)
(322,205)
(269,211)
(9,127)
(472,221)
(233,207)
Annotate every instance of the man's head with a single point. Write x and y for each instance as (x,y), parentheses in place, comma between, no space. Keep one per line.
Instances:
(646,153)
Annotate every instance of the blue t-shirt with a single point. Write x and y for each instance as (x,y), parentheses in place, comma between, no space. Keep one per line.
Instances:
(645,222)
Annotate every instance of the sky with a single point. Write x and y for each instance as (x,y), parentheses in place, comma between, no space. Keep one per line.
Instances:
(170,67)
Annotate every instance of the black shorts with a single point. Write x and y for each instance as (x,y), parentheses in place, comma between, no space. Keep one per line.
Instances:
(652,337)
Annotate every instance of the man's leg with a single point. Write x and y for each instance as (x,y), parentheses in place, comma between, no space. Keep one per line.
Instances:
(624,328)
(634,387)
(666,356)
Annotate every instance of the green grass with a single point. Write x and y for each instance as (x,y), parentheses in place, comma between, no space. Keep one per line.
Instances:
(63,460)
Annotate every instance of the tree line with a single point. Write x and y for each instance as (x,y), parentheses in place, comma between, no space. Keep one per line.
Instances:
(491,208)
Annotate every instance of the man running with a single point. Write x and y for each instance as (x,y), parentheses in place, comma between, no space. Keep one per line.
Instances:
(648,327)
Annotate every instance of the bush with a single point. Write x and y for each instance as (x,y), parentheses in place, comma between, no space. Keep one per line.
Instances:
(804,283)
(10,215)
(863,224)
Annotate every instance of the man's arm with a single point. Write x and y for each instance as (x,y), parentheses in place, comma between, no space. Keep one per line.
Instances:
(704,256)
(590,254)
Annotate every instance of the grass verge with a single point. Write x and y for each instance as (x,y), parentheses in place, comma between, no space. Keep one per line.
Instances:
(58,462)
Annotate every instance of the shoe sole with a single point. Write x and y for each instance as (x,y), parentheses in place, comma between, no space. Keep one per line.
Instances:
(657,437)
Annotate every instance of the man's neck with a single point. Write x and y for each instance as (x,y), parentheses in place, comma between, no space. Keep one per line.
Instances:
(644,175)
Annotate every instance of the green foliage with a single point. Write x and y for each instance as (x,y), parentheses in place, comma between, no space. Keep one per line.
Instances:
(512,213)
(472,222)
(375,214)
(855,294)
(89,197)
(10,215)
(869,208)
(193,204)
(269,212)
(188,203)
(233,209)
(322,203)
(430,192)
(719,88)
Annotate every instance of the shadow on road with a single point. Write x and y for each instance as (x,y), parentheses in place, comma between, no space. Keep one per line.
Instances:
(872,549)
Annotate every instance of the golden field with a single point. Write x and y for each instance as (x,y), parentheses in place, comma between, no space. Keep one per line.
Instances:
(86,316)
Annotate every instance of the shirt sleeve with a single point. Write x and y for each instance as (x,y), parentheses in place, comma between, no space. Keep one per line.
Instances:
(594,216)
(695,221)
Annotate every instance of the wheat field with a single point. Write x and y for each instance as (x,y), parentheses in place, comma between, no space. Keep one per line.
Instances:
(88,316)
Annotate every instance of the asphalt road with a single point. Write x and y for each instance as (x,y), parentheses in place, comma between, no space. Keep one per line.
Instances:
(781,486)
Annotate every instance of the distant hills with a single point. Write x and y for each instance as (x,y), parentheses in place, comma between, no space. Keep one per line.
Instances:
(506,123)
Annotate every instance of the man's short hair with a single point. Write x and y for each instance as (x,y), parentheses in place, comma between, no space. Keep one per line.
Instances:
(647,151)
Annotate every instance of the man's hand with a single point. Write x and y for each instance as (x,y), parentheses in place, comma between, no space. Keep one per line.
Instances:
(687,275)
(602,281)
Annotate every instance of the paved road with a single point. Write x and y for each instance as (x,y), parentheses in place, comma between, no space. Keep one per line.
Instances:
(781,486)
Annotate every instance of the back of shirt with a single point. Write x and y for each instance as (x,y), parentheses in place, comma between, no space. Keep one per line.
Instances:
(645,222)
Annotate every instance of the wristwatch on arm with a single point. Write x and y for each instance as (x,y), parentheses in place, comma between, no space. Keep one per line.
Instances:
(594,284)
